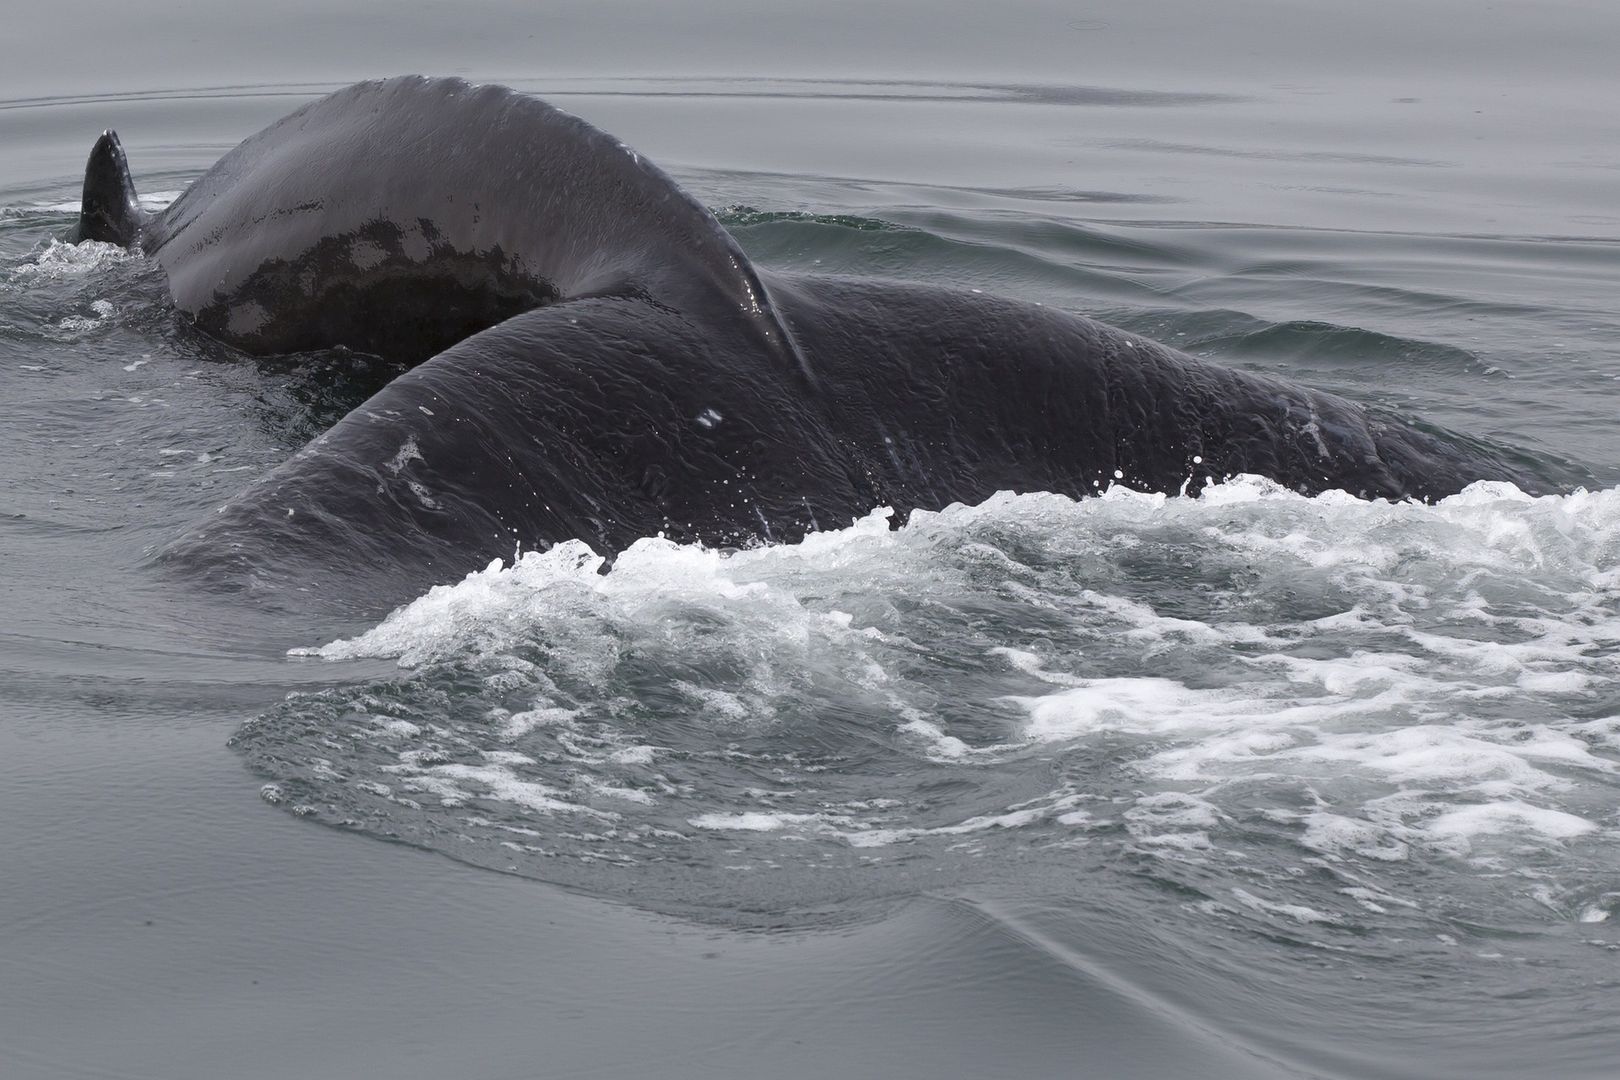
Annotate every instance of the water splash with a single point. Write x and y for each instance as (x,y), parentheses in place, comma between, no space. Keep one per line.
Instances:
(1237,688)
(57,260)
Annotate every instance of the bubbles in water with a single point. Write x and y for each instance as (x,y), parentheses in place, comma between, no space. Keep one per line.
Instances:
(69,293)
(57,260)
(101,312)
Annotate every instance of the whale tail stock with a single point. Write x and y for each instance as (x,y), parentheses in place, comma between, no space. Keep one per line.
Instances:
(109,212)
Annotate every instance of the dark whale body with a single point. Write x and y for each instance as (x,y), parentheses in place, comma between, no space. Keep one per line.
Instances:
(599,360)
(399,217)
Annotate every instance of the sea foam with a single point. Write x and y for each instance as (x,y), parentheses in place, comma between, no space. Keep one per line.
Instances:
(1250,678)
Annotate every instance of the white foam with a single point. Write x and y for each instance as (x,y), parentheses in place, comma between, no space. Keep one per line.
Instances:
(939,745)
(1297,912)
(1378,686)
(59,260)
(1491,819)
(1139,706)
(101,313)
(499,782)
(752,821)
(408,452)
(519,724)
(1333,834)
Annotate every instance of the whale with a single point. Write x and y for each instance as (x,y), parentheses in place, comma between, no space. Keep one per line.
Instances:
(591,356)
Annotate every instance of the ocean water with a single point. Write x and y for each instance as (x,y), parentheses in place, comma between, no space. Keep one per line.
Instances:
(1245,785)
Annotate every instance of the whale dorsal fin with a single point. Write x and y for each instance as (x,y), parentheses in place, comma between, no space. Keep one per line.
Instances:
(110,211)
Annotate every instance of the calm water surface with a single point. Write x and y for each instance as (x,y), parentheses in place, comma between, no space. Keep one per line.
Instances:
(1250,785)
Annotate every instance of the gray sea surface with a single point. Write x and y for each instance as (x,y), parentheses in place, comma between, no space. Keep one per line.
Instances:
(1248,785)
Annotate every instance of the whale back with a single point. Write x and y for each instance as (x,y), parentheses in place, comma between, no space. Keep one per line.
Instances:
(604,420)
(942,395)
(612,419)
(597,375)
(401,216)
